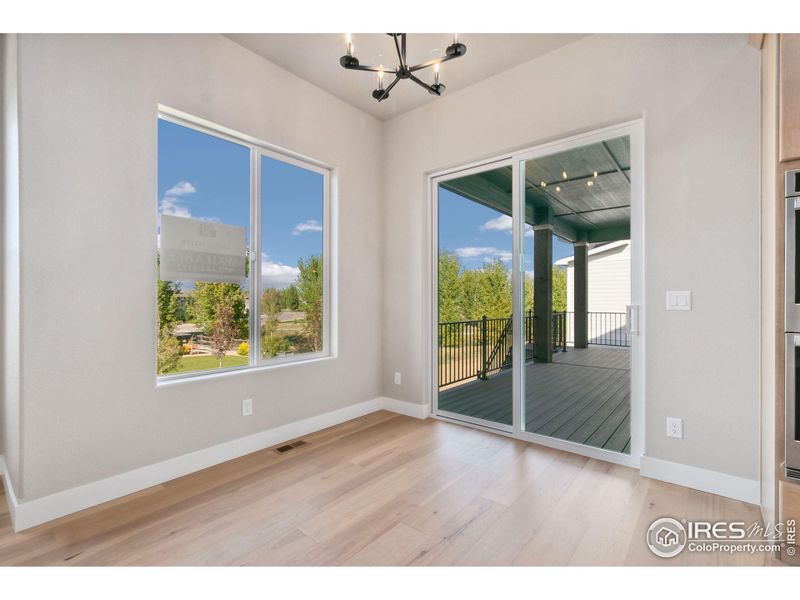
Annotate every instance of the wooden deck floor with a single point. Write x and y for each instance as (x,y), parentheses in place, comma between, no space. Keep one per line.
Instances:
(582,396)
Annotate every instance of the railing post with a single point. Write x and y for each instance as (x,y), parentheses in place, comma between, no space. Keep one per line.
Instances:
(484,339)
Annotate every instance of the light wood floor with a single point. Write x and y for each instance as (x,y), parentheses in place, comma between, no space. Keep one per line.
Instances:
(389,490)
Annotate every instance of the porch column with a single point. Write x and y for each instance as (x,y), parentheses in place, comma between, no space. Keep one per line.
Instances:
(543,292)
(580,294)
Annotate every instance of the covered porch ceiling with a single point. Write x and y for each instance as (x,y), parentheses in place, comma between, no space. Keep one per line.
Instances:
(584,193)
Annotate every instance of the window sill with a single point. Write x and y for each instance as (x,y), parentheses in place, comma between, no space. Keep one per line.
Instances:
(198,376)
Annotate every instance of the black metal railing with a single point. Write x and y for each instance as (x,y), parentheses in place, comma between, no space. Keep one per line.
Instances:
(479,348)
(605,329)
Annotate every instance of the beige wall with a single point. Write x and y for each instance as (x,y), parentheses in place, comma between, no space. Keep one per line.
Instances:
(699,97)
(91,408)
(88,198)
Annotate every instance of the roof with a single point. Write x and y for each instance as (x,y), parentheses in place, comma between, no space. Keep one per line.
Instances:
(563,262)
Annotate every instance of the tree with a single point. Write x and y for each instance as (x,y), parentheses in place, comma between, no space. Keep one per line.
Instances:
(309,287)
(167,303)
(559,289)
(496,284)
(168,355)
(289,298)
(209,297)
(449,287)
(471,299)
(271,343)
(223,330)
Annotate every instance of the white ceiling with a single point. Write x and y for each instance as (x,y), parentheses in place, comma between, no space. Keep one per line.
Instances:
(315,58)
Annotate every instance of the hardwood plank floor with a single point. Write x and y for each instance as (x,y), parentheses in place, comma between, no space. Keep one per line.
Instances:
(383,489)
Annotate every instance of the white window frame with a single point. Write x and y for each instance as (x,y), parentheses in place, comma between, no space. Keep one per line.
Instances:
(259,148)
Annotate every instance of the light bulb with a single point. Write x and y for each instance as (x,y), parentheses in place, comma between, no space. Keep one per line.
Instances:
(349,41)
(436,73)
(558,188)
(380,78)
(542,184)
(590,183)
(455,38)
(564,174)
(595,173)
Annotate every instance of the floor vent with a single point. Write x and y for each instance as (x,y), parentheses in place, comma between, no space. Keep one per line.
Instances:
(286,447)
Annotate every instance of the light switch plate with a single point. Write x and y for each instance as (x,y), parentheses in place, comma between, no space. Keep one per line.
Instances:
(679,300)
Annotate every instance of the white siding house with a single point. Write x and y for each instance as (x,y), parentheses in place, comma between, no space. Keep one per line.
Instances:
(609,293)
(609,277)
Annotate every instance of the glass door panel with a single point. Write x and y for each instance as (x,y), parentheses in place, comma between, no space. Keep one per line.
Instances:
(475,298)
(577,286)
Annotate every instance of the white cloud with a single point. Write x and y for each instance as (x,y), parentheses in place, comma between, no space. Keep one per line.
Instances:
(486,252)
(501,223)
(277,275)
(504,223)
(182,188)
(310,225)
(172,202)
(170,205)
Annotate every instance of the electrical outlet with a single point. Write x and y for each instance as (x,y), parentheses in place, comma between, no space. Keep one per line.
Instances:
(397,378)
(247,407)
(674,427)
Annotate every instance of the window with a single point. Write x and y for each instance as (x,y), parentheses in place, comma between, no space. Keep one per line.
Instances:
(228,209)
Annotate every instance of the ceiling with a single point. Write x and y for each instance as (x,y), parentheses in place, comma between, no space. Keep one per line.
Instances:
(315,58)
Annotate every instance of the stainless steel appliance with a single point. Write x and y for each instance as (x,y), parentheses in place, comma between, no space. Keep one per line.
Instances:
(792,323)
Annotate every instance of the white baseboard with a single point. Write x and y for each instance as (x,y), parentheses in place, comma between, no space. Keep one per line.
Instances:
(418,411)
(34,512)
(722,484)
(11,497)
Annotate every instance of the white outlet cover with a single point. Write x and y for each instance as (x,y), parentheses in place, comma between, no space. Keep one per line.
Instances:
(247,407)
(674,427)
(397,378)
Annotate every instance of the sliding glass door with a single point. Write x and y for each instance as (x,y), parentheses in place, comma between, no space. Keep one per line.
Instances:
(474,298)
(537,288)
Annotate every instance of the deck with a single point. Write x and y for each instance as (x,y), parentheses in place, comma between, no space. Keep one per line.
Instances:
(582,396)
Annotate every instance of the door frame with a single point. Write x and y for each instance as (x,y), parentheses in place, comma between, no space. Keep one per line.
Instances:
(505,161)
(635,130)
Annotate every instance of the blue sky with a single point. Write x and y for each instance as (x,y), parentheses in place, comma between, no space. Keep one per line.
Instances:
(204,177)
(477,233)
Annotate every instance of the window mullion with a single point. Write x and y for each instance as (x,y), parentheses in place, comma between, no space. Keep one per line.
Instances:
(255,263)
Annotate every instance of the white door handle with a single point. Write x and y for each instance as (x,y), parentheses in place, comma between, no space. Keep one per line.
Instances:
(633,318)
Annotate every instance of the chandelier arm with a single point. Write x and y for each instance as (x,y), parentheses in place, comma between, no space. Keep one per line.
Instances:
(432,62)
(419,81)
(388,89)
(399,52)
(371,69)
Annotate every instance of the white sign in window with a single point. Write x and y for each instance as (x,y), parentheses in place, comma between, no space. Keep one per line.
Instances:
(198,250)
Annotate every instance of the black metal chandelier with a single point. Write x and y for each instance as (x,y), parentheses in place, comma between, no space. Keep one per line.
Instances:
(404,71)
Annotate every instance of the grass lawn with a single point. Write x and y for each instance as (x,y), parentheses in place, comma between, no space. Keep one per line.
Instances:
(203,363)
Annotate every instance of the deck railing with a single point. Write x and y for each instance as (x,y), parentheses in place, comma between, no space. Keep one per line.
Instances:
(479,348)
(605,329)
